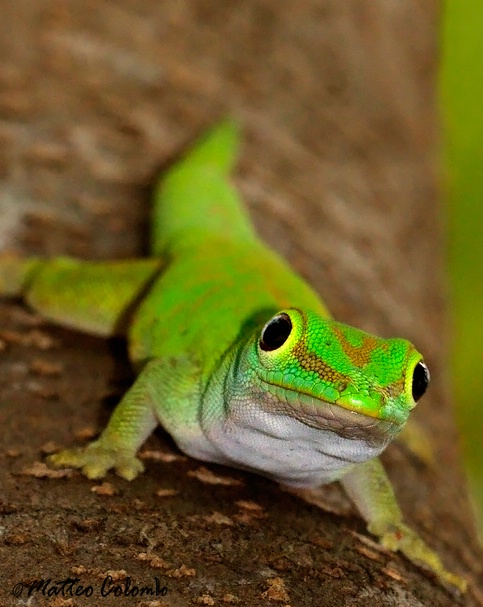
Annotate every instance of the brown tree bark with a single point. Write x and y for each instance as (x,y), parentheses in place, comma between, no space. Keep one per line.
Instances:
(339,172)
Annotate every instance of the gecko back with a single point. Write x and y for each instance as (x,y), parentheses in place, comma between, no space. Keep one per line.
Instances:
(221,281)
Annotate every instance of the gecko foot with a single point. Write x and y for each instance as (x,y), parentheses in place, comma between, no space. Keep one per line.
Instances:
(401,537)
(96,459)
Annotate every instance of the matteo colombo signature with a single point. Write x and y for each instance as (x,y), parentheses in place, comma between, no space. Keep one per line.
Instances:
(72,587)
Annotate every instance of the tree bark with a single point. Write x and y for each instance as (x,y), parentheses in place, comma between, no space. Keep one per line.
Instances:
(339,171)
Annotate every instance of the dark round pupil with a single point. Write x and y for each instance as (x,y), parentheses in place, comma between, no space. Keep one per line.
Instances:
(275,332)
(420,380)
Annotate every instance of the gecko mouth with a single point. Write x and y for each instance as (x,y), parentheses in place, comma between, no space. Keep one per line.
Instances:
(322,415)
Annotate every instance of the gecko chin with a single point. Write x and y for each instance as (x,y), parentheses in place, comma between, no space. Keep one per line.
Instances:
(325,416)
(295,440)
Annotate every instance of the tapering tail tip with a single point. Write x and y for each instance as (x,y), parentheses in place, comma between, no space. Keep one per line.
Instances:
(218,147)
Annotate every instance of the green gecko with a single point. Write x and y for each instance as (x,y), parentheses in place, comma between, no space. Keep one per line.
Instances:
(236,355)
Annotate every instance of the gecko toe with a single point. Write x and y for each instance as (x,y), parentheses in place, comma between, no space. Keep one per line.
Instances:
(130,468)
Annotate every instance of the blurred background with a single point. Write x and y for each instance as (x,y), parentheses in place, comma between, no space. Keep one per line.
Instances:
(341,138)
(462,106)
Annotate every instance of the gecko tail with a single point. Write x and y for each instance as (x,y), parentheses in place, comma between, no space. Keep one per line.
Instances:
(195,198)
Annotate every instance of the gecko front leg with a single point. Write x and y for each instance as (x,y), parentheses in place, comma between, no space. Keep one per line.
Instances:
(167,392)
(131,423)
(370,489)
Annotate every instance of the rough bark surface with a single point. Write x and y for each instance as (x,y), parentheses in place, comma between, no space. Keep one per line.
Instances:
(338,171)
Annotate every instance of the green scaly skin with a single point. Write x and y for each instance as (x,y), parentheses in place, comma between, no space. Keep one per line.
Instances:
(237,357)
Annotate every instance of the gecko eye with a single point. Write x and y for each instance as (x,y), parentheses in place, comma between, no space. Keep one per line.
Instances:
(420,380)
(275,332)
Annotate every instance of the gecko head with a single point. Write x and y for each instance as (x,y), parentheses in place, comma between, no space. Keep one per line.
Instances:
(324,371)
